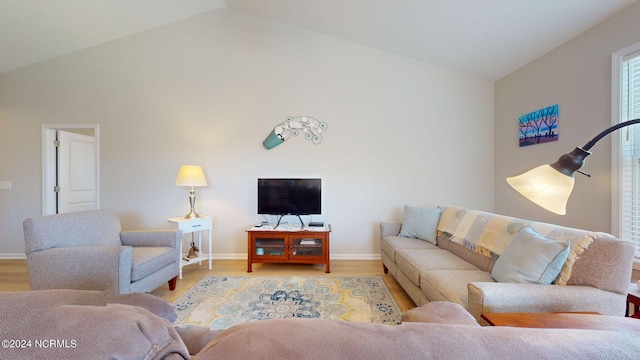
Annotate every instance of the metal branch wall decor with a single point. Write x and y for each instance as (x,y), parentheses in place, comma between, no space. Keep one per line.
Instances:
(294,125)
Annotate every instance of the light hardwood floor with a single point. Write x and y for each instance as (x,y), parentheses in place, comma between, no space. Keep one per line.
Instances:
(14,276)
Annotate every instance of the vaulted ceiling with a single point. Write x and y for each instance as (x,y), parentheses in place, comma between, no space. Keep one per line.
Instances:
(485,38)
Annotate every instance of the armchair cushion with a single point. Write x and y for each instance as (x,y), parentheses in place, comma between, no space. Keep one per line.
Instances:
(147,260)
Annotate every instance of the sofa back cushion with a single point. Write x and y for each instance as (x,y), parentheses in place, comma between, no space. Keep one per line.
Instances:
(470,256)
(83,228)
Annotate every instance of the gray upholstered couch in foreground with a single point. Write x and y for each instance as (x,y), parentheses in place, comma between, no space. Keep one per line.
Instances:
(86,250)
(452,254)
(73,324)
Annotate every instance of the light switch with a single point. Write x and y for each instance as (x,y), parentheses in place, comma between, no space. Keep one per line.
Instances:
(5,185)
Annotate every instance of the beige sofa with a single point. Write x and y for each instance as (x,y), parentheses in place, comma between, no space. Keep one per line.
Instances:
(83,324)
(458,268)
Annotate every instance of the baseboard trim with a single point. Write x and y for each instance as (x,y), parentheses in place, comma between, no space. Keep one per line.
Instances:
(333,256)
(13,256)
(240,256)
(355,257)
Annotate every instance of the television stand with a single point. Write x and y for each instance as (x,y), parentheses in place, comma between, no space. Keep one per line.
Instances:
(288,246)
(280,218)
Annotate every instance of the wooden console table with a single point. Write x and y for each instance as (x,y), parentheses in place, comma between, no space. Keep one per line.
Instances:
(294,246)
(557,320)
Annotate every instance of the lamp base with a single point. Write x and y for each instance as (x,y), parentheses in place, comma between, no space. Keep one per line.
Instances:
(192,203)
(192,215)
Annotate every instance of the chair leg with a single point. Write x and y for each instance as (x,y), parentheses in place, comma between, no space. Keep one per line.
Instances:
(172,283)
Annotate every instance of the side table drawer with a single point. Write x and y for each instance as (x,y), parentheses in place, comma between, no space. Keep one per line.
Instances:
(192,225)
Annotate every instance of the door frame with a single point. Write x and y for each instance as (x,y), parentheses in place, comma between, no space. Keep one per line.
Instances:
(49,163)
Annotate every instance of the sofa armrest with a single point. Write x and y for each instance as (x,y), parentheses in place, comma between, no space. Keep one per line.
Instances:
(390,229)
(82,268)
(151,238)
(509,297)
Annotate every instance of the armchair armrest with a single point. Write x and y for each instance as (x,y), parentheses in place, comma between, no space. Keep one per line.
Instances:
(150,238)
(509,297)
(83,268)
(390,229)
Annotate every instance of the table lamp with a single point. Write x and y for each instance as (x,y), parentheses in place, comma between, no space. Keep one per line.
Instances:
(191,175)
(549,186)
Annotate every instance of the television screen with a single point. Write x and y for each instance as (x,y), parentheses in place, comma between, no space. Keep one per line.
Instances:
(289,196)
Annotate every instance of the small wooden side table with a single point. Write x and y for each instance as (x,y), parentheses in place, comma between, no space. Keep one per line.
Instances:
(633,297)
(556,320)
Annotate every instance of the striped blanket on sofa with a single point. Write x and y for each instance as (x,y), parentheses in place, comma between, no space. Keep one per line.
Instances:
(490,234)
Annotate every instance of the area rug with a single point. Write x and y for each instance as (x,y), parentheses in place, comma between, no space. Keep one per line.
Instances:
(220,302)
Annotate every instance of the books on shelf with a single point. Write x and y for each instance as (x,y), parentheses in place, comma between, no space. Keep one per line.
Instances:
(307,242)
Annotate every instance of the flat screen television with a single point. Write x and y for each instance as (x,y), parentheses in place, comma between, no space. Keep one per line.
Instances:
(289,196)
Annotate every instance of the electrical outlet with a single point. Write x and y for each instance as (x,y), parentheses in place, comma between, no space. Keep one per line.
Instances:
(5,185)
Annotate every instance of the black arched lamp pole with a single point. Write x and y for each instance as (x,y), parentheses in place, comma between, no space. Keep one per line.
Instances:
(550,185)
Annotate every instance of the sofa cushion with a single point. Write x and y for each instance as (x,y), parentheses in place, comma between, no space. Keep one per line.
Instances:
(531,258)
(468,255)
(152,303)
(440,312)
(451,285)
(412,262)
(147,260)
(420,223)
(391,244)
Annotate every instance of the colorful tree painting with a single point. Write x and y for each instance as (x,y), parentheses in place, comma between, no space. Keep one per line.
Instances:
(539,126)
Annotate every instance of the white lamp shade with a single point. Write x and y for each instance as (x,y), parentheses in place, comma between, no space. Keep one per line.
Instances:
(546,187)
(191,175)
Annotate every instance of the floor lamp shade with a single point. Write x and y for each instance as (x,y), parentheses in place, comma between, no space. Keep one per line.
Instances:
(191,176)
(545,186)
(550,186)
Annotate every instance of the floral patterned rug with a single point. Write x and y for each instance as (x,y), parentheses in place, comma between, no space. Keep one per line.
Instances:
(220,302)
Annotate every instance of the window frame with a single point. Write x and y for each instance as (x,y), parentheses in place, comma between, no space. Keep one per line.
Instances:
(616,117)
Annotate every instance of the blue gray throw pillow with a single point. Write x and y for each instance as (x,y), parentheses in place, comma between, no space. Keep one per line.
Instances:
(531,258)
(420,223)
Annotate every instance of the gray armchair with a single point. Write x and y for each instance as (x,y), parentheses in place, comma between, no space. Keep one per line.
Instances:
(87,250)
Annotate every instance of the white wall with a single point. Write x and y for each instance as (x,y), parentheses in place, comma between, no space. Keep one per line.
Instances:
(209,89)
(577,76)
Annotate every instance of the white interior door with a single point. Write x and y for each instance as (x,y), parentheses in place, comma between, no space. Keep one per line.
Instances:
(77,178)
